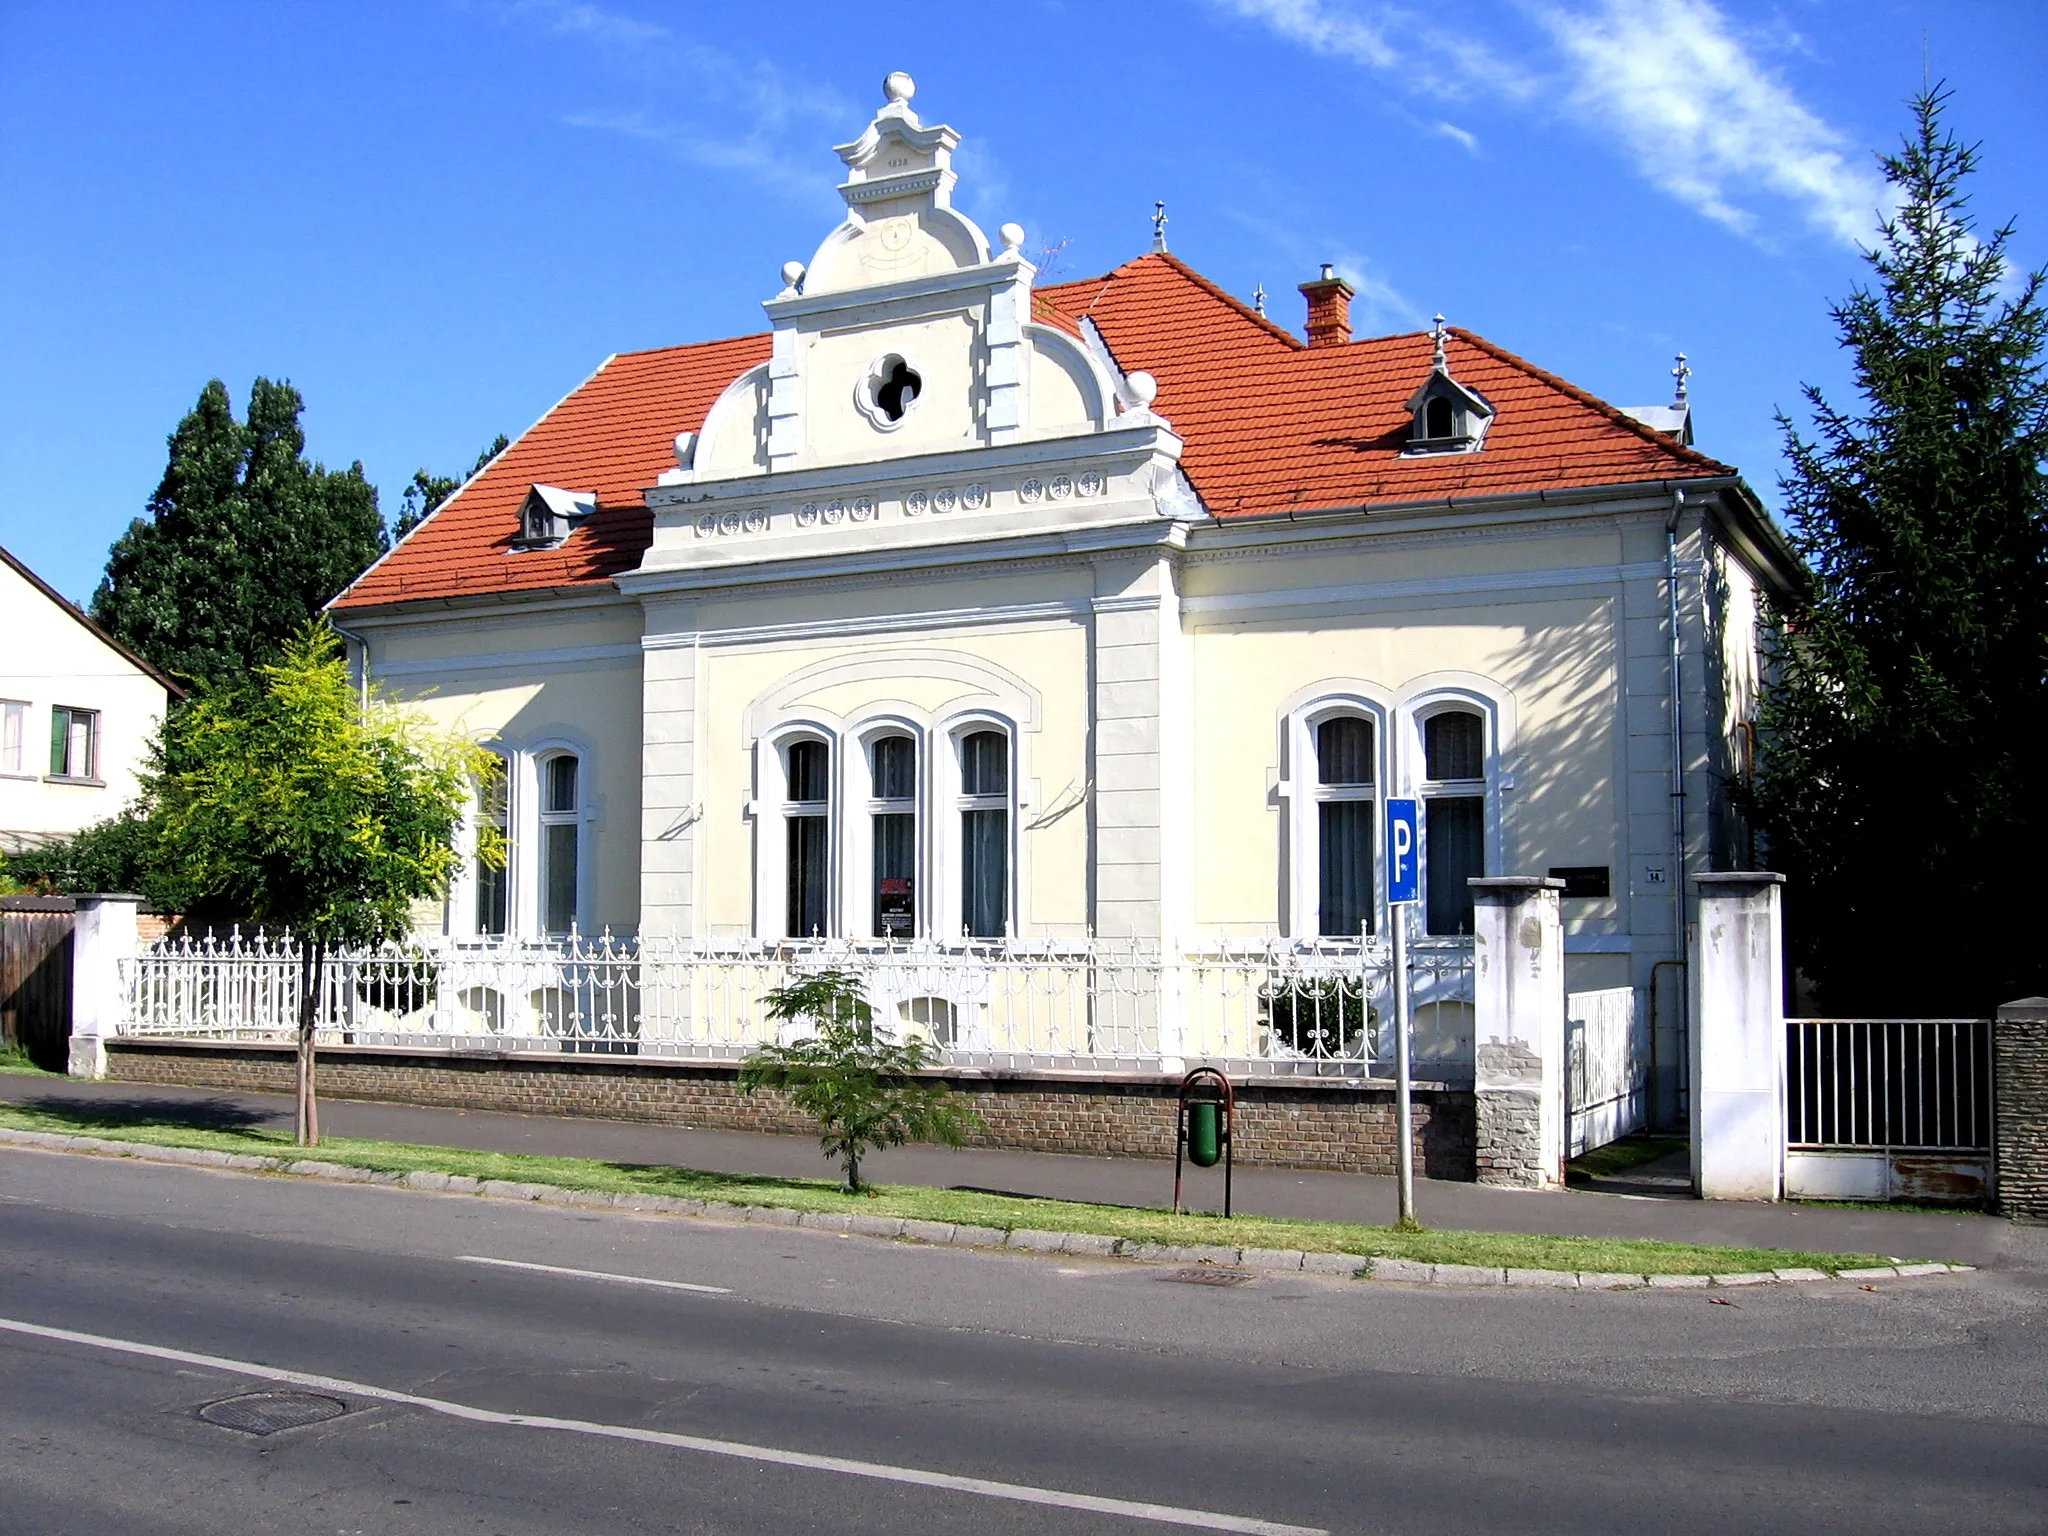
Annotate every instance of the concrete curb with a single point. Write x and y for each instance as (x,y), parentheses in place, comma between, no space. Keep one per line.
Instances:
(944,1234)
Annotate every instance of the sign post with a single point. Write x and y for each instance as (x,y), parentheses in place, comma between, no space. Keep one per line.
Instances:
(1404,888)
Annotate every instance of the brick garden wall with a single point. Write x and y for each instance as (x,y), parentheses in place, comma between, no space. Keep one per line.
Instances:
(1348,1128)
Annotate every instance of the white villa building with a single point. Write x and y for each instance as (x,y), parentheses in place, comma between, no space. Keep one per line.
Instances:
(953,609)
(77,710)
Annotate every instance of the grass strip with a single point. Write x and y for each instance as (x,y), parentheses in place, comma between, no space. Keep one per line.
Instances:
(1513,1250)
(14,1059)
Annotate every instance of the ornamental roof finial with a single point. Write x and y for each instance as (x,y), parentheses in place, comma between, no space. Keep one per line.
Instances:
(1259,298)
(1442,362)
(1159,226)
(1681,373)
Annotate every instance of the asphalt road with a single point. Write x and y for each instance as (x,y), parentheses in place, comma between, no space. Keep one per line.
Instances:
(956,1391)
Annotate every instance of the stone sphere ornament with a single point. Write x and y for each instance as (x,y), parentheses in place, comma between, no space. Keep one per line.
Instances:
(1140,389)
(792,272)
(899,87)
(1012,236)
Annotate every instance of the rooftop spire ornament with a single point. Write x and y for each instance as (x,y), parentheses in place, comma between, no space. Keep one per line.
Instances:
(1681,373)
(1441,361)
(1259,298)
(1159,226)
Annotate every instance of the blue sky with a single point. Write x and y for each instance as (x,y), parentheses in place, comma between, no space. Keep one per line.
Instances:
(437,217)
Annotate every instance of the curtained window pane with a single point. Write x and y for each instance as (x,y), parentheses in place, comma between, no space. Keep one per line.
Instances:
(492,887)
(1454,746)
(558,876)
(808,873)
(1455,851)
(985,872)
(810,764)
(1345,860)
(895,858)
(985,764)
(1344,751)
(895,759)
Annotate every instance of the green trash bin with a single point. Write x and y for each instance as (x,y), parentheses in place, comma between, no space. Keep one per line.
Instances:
(1205,1132)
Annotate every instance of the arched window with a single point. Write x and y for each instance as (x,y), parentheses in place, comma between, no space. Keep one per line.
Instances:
(1439,419)
(984,806)
(892,811)
(561,815)
(493,883)
(1345,794)
(807,823)
(1454,810)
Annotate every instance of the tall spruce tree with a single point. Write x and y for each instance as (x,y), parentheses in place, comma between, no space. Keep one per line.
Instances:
(1902,785)
(245,540)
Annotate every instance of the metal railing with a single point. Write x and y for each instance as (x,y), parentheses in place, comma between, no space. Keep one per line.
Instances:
(1888,1084)
(1270,1006)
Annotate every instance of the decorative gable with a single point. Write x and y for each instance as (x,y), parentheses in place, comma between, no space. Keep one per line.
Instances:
(550,514)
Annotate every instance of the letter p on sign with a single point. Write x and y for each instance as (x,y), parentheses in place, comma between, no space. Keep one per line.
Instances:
(1404,853)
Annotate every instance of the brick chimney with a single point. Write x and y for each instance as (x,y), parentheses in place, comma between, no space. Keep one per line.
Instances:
(1329,309)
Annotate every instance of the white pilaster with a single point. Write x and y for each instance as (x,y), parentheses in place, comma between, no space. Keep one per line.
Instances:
(102,936)
(1518,1030)
(1738,1038)
(671,806)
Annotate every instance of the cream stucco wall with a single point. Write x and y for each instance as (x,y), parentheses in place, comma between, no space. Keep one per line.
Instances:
(49,658)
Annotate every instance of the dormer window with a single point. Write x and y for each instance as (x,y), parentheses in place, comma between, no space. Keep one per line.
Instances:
(1448,417)
(887,391)
(550,514)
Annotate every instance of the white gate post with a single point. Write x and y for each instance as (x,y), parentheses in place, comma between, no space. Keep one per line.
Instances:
(102,936)
(1738,1038)
(1518,1040)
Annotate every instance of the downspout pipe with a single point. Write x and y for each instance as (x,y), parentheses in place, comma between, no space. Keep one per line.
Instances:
(362,664)
(1684,1054)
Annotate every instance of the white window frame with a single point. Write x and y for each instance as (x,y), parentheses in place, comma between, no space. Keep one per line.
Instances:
(470,888)
(525,887)
(949,802)
(14,738)
(1306,795)
(856,860)
(543,818)
(1485,788)
(91,775)
(773,808)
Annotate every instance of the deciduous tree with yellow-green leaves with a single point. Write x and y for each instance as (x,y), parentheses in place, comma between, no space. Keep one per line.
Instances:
(312,808)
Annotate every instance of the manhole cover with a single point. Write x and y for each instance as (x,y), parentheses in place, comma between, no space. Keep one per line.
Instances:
(265,1413)
(1209,1276)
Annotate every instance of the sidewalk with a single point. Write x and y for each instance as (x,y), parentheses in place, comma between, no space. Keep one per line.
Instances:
(1960,1237)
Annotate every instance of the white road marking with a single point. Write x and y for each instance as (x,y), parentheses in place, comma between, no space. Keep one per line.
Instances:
(1021,1493)
(595,1274)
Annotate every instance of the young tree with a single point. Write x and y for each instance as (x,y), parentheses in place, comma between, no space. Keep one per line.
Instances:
(856,1084)
(427,492)
(292,803)
(1900,781)
(244,543)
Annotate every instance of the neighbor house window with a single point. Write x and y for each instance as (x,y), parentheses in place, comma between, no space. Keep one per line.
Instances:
(560,841)
(807,824)
(13,735)
(892,808)
(74,742)
(1454,811)
(984,807)
(494,885)
(1345,797)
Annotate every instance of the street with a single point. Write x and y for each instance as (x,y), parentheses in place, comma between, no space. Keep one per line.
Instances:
(1281,1403)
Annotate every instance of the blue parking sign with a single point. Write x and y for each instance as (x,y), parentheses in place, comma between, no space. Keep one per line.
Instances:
(1404,853)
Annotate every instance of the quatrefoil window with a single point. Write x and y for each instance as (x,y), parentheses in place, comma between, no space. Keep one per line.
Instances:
(888,391)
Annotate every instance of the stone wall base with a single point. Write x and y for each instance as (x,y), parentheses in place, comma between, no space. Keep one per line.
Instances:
(1344,1127)
(2019,1064)
(1509,1149)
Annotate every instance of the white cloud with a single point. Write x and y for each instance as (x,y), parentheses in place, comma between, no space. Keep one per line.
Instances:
(1671,84)
(1469,142)
(1703,119)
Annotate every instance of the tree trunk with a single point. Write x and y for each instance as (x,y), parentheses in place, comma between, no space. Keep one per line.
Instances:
(312,954)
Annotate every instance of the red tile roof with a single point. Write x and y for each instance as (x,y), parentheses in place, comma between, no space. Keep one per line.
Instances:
(1269,423)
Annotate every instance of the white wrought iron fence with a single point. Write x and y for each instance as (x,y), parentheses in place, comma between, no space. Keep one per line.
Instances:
(1269,1005)
(1901,1085)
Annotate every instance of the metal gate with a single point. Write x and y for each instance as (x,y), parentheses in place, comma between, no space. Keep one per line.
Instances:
(1888,1109)
(35,977)
(1607,1068)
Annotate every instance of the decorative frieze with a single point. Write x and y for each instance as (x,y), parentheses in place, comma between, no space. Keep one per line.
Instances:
(939,500)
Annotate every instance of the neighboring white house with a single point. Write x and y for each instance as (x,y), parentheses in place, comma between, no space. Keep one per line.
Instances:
(957,606)
(77,710)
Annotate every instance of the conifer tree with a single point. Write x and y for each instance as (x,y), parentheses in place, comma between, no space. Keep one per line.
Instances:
(427,492)
(245,541)
(1902,785)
